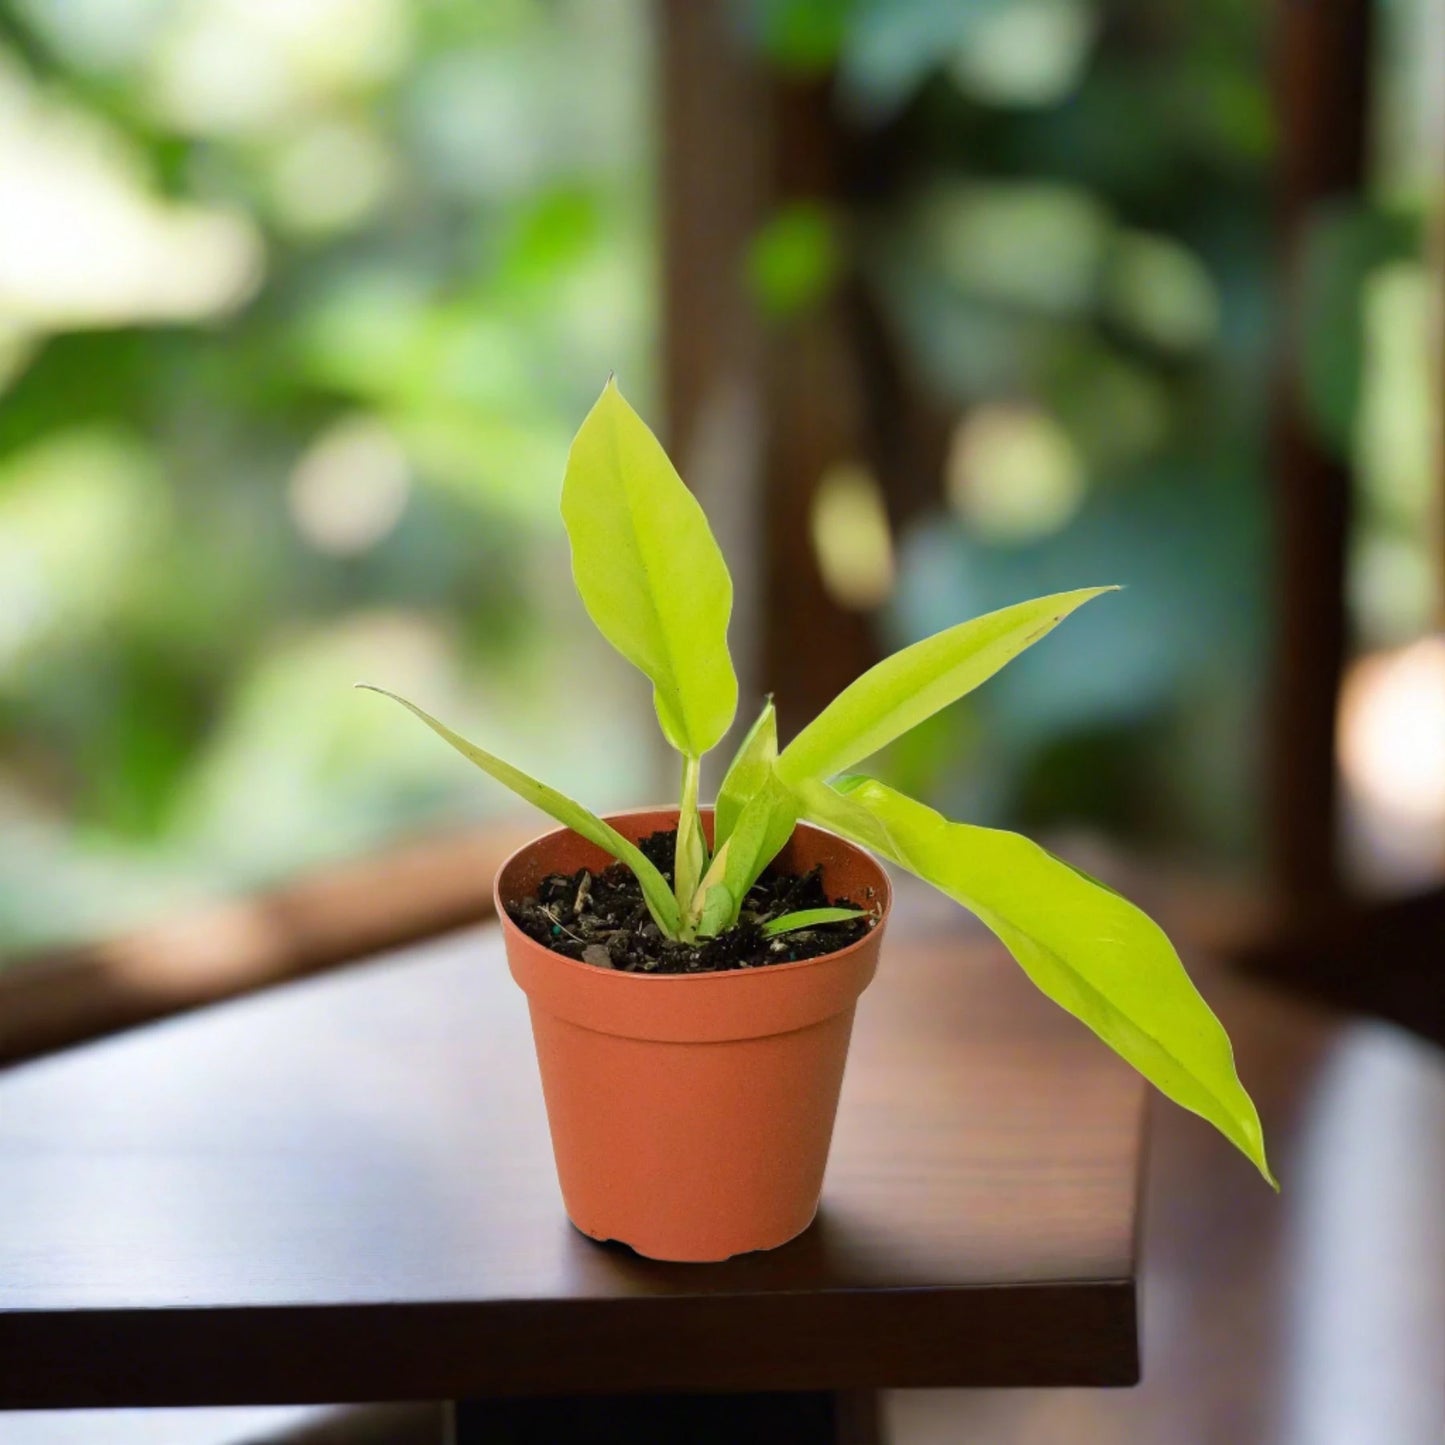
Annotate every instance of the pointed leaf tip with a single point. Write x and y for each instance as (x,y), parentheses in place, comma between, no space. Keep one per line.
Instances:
(567,811)
(1094,953)
(903,690)
(649,570)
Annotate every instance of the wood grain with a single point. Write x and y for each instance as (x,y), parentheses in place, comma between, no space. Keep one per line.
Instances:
(1315,1314)
(343,1190)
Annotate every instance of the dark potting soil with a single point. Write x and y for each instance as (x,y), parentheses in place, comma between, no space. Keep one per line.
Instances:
(601,918)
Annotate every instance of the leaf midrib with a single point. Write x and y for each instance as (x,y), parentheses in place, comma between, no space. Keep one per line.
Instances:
(673,688)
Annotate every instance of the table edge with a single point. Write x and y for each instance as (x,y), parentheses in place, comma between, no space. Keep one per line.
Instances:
(1051,1333)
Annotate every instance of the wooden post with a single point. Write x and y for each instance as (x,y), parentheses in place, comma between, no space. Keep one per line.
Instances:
(713,182)
(758,410)
(1322,65)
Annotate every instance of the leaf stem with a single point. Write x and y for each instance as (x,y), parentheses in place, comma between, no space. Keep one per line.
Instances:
(690,854)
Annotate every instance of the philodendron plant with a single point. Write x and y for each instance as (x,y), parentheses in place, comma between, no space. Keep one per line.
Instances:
(654,581)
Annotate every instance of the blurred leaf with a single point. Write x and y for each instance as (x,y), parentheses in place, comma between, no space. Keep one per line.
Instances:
(1036,244)
(794,260)
(1344,244)
(801,37)
(892,46)
(1117,409)
(1029,53)
(1160,289)
(83,515)
(155,718)
(555,231)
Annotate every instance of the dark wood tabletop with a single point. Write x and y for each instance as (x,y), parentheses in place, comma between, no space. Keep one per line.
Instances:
(343,1190)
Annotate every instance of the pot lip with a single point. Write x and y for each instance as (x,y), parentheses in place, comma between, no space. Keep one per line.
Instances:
(717,976)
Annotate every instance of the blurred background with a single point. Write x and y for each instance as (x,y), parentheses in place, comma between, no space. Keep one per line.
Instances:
(301,301)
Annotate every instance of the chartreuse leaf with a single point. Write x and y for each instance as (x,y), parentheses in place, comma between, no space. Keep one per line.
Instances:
(764,825)
(660,901)
(718,911)
(1087,948)
(809,918)
(649,571)
(746,774)
(903,690)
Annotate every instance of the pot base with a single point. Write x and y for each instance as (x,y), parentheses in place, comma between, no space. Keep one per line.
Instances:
(665,1256)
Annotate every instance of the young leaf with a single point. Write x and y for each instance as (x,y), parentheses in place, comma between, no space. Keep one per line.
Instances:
(903,690)
(765,824)
(1087,948)
(746,774)
(718,911)
(808,918)
(649,571)
(660,902)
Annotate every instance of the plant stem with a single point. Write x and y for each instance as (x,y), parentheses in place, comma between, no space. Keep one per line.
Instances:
(690,855)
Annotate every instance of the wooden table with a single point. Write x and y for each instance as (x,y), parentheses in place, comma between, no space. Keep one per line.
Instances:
(342,1190)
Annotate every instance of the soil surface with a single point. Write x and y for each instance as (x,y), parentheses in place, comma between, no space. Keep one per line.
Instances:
(601,918)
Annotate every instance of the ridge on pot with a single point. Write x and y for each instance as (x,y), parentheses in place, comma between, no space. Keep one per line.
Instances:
(691,1114)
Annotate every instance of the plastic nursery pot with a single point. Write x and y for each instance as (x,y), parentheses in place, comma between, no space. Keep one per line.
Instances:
(691,1114)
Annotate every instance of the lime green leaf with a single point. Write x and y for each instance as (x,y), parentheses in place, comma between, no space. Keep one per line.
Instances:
(718,911)
(1087,948)
(747,772)
(660,902)
(764,825)
(649,571)
(809,918)
(903,690)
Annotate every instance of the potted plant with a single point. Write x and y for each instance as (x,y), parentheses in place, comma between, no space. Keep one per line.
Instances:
(692,973)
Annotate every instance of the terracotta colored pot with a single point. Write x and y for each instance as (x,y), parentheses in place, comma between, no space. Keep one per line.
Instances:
(691,1113)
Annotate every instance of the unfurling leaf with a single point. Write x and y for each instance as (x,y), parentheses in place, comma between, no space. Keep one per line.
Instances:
(809,918)
(660,902)
(650,572)
(764,825)
(1088,949)
(901,691)
(746,774)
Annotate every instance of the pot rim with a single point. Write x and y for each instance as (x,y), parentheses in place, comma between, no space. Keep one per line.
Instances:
(714,977)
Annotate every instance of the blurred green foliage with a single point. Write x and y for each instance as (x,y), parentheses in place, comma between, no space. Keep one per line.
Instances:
(301,300)
(299,306)
(1065,218)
